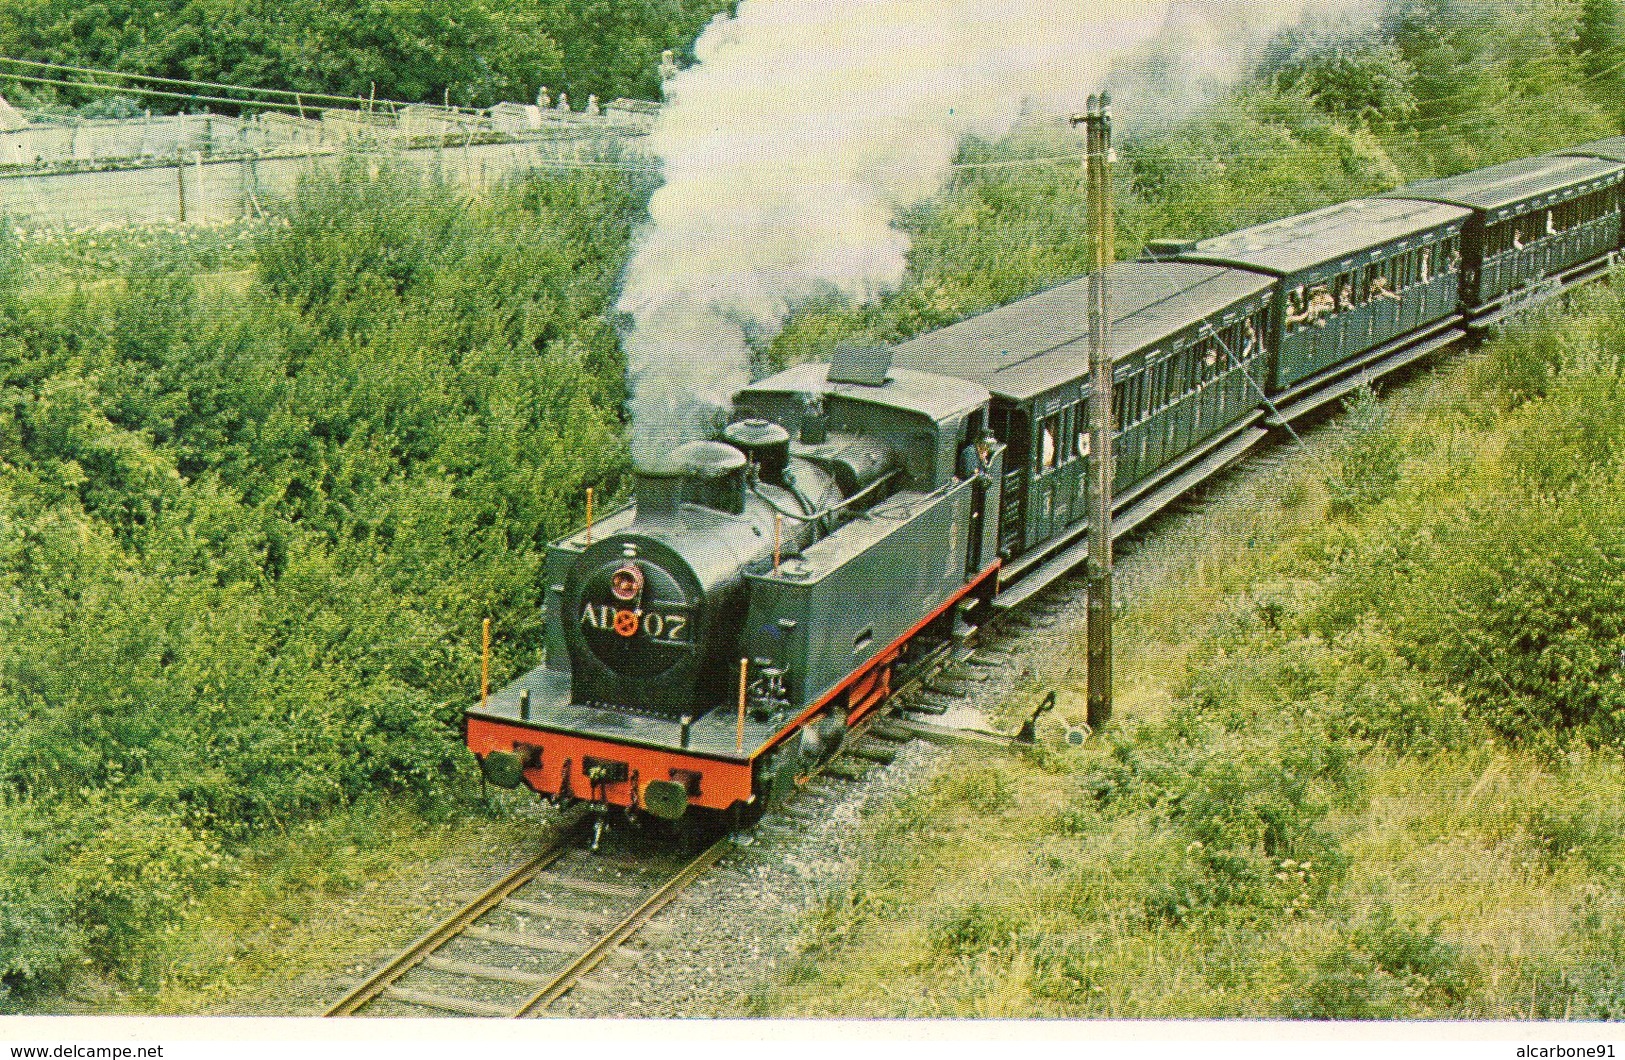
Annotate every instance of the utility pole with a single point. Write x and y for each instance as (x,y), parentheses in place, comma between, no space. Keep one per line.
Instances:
(1097,122)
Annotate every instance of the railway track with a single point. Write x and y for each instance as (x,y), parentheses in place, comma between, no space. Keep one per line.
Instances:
(535,934)
(531,937)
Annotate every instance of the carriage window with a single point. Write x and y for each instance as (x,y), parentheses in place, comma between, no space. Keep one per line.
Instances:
(1297,309)
(1345,292)
(1046,443)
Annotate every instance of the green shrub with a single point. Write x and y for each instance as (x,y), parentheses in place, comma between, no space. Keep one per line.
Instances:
(1382,970)
(1365,457)
(128,875)
(41,945)
(1524,359)
(1525,616)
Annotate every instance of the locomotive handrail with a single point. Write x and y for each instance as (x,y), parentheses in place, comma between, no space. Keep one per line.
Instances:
(832,509)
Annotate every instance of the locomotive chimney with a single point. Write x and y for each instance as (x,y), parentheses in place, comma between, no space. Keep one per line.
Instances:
(659,491)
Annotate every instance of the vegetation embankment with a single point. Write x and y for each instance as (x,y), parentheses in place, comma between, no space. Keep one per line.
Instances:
(246,537)
(248,526)
(1366,761)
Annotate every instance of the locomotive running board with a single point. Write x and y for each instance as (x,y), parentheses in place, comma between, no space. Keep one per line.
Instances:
(1036,581)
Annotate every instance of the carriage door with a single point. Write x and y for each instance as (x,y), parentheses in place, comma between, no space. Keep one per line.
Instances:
(1050,506)
(973,459)
(1010,426)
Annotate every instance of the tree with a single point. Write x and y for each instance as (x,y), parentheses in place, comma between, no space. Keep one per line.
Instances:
(1363,81)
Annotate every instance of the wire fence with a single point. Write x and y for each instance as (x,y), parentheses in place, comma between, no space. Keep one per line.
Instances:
(210,168)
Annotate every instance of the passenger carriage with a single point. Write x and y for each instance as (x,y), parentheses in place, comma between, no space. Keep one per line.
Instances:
(1189,343)
(1357,282)
(1533,220)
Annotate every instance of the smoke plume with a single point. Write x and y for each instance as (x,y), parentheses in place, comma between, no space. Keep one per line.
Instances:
(804,125)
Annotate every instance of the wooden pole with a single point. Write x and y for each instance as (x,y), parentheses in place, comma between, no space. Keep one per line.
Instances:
(1098,127)
(589,515)
(744,674)
(485,663)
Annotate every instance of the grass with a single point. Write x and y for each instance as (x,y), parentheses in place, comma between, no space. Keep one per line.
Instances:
(304,912)
(1277,823)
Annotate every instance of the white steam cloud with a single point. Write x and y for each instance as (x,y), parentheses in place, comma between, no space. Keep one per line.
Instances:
(789,146)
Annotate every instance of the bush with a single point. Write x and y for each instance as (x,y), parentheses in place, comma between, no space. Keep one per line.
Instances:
(247,547)
(40,944)
(1382,970)
(1525,616)
(1365,457)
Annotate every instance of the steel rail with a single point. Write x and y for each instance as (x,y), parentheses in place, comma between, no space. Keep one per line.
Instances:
(595,954)
(413,955)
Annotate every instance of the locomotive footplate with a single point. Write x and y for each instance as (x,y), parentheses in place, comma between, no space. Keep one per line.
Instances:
(531,732)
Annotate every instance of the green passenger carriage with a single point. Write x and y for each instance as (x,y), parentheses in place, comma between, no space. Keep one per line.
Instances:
(1532,220)
(1353,277)
(1189,347)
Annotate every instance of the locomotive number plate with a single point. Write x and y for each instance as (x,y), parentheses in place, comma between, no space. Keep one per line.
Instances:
(669,626)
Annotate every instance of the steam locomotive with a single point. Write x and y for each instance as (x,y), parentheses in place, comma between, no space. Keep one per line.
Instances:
(711,642)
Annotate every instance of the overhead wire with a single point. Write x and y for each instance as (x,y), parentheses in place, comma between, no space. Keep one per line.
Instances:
(298,96)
